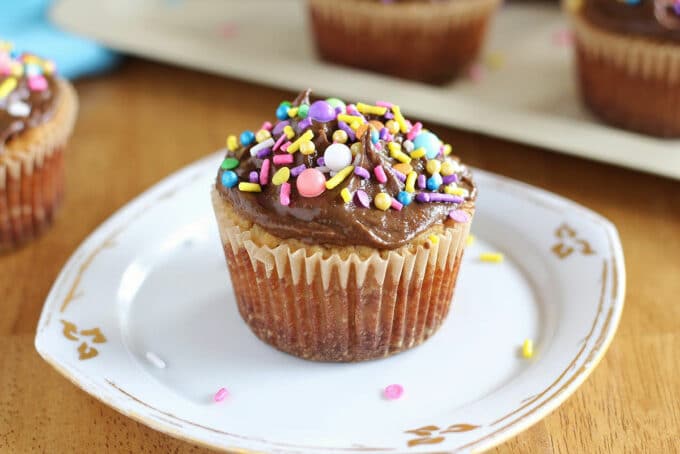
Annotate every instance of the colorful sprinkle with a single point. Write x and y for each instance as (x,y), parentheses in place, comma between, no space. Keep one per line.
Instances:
(322,111)
(7,86)
(295,171)
(311,183)
(459,216)
(379,173)
(283,159)
(361,172)
(281,176)
(280,142)
(264,172)
(434,239)
(396,205)
(492,257)
(229,163)
(264,153)
(528,349)
(253,177)
(400,176)
(19,109)
(410,181)
(383,201)
(405,198)
(232,143)
(422,181)
(247,137)
(403,127)
(249,187)
(263,135)
(303,111)
(289,132)
(346,195)
(221,394)
(295,146)
(393,392)
(414,131)
(340,136)
(229,179)
(434,182)
(403,168)
(362,198)
(268,143)
(371,110)
(339,177)
(284,196)
(292,112)
(419,153)
(37,83)
(304,124)
(345,127)
(336,103)
(306,148)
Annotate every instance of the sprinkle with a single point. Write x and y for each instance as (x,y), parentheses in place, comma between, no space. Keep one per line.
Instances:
(279,127)
(229,163)
(306,137)
(37,83)
(261,146)
(339,177)
(433,166)
(392,126)
(396,205)
(232,143)
(247,137)
(221,394)
(408,146)
(410,181)
(434,239)
(379,173)
(320,161)
(371,110)
(289,132)
(340,136)
(417,154)
(396,153)
(470,240)
(253,177)
(362,198)
(403,127)
(284,196)
(7,86)
(528,348)
(361,172)
(356,148)
(403,168)
(311,183)
(264,153)
(383,201)
(283,159)
(155,360)
(292,112)
(281,176)
(492,257)
(414,131)
(400,176)
(346,195)
(447,149)
(459,216)
(422,182)
(349,119)
(267,126)
(19,109)
(447,168)
(306,148)
(264,172)
(462,192)
(295,171)
(393,392)
(304,124)
(385,134)
(434,182)
(435,197)
(303,111)
(345,127)
(262,135)
(285,146)
(229,179)
(279,142)
(352,110)
(282,110)
(249,187)
(384,104)
(337,156)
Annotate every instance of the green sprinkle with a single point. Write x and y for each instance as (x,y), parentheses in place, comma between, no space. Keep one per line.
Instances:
(303,110)
(229,163)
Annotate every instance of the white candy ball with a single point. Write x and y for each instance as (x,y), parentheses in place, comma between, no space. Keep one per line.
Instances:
(337,156)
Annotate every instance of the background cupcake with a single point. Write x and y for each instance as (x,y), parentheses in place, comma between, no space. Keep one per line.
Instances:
(628,56)
(37,113)
(424,40)
(343,228)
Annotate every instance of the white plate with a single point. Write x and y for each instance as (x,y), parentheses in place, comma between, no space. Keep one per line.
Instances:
(532,98)
(153,279)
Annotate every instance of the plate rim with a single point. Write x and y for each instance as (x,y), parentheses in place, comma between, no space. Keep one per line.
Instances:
(176,180)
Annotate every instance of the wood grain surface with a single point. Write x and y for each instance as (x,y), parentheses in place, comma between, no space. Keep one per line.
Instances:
(144,121)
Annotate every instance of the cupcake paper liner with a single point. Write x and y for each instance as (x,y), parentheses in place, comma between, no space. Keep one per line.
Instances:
(430,42)
(32,174)
(340,303)
(629,81)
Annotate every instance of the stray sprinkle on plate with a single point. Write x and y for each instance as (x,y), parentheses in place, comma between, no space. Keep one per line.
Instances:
(528,349)
(470,240)
(492,257)
(393,392)
(221,394)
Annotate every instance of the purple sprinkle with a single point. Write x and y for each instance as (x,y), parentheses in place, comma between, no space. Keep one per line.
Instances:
(400,176)
(422,181)
(264,153)
(321,162)
(384,133)
(304,124)
(295,171)
(322,112)
(278,129)
(389,116)
(362,198)
(361,172)
(338,110)
(459,216)
(448,179)
(423,197)
(345,127)
(254,177)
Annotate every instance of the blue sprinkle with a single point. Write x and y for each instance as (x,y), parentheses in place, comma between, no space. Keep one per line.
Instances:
(229,179)
(405,198)
(434,182)
(247,137)
(282,112)
(375,136)
(429,142)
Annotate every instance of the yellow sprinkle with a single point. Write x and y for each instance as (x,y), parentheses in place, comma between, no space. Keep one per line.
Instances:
(411,181)
(433,166)
(382,201)
(262,135)
(232,143)
(400,156)
(470,240)
(16,68)
(355,148)
(392,126)
(419,153)
(5,45)
(7,86)
(289,132)
(447,149)
(306,137)
(491,257)
(32,59)
(356,124)
(340,136)
(249,187)
(434,239)
(462,192)
(307,148)
(48,67)
(447,169)
(400,119)
(292,112)
(403,168)
(349,119)
(394,146)
(371,110)
(346,195)
(339,177)
(528,349)
(281,176)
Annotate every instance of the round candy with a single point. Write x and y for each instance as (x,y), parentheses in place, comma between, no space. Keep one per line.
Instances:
(229,163)
(355,148)
(382,201)
(405,198)
(282,111)
(336,103)
(433,166)
(429,142)
(311,183)
(229,179)
(322,112)
(247,137)
(340,136)
(434,182)
(307,147)
(262,135)
(303,111)
(337,156)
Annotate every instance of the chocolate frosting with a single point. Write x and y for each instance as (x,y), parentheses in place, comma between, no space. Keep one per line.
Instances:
(327,219)
(654,19)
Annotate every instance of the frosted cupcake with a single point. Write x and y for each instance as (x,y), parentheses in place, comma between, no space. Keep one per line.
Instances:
(628,55)
(426,40)
(37,113)
(343,228)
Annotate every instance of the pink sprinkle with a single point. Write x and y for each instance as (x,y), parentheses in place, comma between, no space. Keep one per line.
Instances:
(476,72)
(459,216)
(384,104)
(285,194)
(397,205)
(280,141)
(264,172)
(379,173)
(393,392)
(285,146)
(415,130)
(37,83)
(228,30)
(267,125)
(221,394)
(282,159)
(563,38)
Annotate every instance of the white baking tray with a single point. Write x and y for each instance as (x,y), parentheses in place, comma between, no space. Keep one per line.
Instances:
(527,93)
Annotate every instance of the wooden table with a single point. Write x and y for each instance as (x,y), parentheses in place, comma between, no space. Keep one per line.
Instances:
(145,121)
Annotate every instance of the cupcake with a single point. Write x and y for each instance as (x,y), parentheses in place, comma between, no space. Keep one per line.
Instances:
(628,58)
(37,113)
(430,41)
(343,228)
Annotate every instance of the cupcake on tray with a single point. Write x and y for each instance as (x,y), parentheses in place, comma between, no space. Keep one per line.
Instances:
(37,114)
(343,228)
(425,40)
(628,56)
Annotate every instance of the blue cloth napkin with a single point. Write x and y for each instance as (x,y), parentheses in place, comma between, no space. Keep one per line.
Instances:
(25,23)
